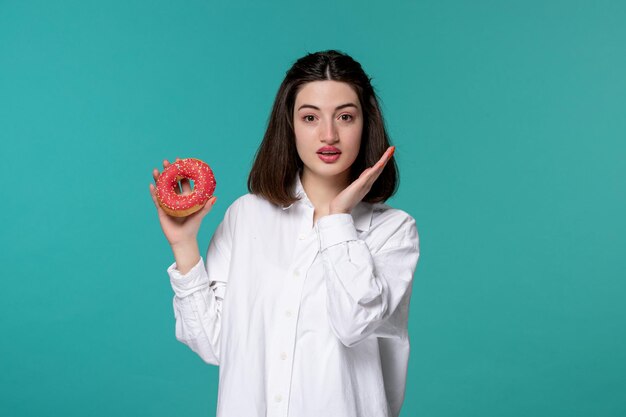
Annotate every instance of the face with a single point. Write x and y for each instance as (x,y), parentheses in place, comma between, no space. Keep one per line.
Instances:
(328,123)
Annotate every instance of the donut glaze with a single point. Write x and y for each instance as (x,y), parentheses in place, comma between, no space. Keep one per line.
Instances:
(178,205)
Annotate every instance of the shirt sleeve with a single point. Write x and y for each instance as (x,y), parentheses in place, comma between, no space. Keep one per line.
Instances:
(368,292)
(199,296)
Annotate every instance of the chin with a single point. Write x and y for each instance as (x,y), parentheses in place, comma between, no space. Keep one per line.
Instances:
(332,172)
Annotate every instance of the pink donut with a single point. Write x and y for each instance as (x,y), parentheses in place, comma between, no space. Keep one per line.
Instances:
(178,205)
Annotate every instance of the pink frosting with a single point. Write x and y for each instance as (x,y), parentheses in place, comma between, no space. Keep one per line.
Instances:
(194,169)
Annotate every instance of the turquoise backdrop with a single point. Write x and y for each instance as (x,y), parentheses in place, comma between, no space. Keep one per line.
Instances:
(510,125)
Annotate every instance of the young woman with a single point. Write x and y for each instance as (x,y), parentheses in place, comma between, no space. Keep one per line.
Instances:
(303,296)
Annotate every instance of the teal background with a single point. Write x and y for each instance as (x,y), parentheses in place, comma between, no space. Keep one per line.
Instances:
(509,121)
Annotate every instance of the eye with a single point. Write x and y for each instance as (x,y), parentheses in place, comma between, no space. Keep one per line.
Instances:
(308,118)
(346,117)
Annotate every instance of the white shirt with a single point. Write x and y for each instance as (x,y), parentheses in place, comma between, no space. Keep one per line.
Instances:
(303,319)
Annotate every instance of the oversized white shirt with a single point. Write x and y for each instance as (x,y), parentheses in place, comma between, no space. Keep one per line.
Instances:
(303,319)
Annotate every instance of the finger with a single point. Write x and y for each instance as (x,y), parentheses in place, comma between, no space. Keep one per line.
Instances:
(160,212)
(205,209)
(369,180)
(386,156)
(166,163)
(210,203)
(155,200)
(366,173)
(155,174)
(377,169)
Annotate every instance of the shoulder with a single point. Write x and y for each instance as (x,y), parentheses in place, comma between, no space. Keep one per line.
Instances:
(393,226)
(250,206)
(251,202)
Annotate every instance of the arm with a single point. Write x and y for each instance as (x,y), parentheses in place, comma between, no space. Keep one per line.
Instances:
(199,295)
(198,299)
(365,288)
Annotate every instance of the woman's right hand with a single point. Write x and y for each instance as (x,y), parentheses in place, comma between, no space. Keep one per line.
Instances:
(180,231)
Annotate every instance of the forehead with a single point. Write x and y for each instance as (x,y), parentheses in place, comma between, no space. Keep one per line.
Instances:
(326,93)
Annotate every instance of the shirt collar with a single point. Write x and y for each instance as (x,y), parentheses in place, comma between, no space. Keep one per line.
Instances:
(361,214)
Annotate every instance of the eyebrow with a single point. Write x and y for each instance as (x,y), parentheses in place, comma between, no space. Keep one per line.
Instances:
(342,106)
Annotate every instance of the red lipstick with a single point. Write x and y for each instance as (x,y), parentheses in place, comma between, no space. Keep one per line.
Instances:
(328,154)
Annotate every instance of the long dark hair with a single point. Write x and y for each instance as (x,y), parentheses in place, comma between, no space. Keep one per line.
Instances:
(277,162)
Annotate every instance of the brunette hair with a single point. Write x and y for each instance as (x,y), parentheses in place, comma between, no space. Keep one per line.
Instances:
(277,163)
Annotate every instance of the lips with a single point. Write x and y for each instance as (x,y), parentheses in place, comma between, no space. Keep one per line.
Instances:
(328,154)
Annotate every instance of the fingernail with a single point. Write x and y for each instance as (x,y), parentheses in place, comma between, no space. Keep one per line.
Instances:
(393,150)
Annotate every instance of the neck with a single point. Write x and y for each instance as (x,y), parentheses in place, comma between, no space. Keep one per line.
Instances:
(322,190)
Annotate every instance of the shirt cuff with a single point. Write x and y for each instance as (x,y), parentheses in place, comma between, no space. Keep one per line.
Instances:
(334,229)
(195,279)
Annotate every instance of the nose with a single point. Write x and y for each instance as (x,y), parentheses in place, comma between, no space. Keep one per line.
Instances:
(329,132)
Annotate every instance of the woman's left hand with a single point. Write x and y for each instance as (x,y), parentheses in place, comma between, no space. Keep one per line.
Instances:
(355,192)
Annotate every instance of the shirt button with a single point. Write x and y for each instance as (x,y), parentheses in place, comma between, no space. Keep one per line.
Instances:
(302,237)
(288,313)
(278,398)
(283,356)
(296,274)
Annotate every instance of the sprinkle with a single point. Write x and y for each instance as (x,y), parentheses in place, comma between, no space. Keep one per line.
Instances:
(204,186)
